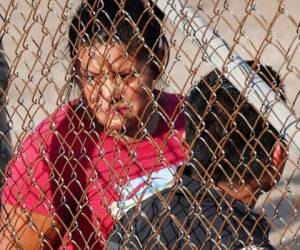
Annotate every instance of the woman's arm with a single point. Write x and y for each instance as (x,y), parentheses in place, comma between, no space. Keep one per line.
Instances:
(23,230)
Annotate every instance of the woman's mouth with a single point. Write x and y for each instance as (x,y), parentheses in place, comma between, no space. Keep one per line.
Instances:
(117,109)
(121,109)
(108,108)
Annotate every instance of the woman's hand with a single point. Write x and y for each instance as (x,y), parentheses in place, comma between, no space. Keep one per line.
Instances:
(20,229)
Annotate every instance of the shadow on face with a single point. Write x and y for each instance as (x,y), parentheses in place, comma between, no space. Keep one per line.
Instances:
(115,86)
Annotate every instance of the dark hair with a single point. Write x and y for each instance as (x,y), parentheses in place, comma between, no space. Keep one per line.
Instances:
(230,140)
(136,24)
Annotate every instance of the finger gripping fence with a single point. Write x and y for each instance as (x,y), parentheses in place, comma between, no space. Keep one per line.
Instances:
(149,124)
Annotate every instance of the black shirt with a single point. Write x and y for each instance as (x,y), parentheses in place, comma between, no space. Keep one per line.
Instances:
(188,216)
(5,146)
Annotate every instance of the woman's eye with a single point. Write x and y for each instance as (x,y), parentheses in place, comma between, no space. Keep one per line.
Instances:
(131,74)
(123,75)
(136,73)
(90,79)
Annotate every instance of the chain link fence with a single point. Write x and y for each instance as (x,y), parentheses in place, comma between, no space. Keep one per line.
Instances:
(78,175)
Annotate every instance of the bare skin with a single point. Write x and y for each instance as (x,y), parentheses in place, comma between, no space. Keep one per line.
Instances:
(25,230)
(249,192)
(117,89)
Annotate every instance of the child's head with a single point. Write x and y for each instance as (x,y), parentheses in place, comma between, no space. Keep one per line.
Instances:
(230,141)
(119,50)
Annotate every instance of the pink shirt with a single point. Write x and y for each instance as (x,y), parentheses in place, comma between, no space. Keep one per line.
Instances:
(70,168)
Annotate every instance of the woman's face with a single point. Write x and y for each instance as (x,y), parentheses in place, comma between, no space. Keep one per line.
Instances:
(116,87)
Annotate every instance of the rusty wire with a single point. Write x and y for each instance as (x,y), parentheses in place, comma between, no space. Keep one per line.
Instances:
(43,78)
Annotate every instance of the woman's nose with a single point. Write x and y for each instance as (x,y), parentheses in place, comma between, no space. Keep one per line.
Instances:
(112,89)
(95,93)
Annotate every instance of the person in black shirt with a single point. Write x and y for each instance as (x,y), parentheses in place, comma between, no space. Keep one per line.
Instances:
(5,145)
(236,155)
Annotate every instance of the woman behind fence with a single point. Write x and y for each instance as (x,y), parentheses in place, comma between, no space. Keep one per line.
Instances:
(98,154)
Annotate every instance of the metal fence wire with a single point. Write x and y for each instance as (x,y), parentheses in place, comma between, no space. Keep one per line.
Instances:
(138,124)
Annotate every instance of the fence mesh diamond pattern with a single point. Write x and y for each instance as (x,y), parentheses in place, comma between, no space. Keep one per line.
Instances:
(149,124)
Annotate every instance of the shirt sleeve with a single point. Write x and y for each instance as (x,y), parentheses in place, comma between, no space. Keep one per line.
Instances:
(32,180)
(133,230)
(159,223)
(137,228)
